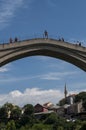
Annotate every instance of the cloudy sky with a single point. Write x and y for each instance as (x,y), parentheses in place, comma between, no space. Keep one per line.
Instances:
(39,79)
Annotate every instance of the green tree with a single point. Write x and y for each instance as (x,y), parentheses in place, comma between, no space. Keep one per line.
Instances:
(80,96)
(9,106)
(3,114)
(28,109)
(83,127)
(41,126)
(15,113)
(5,111)
(51,119)
(11,125)
(28,115)
(84,104)
(62,102)
(2,126)
(77,125)
(60,128)
(22,128)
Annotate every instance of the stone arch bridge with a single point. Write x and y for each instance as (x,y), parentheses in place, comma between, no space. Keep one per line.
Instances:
(72,53)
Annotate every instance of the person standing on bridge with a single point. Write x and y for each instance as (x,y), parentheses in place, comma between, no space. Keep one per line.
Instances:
(16,39)
(10,40)
(62,39)
(45,34)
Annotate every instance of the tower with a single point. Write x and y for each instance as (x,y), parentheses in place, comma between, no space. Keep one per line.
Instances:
(65,91)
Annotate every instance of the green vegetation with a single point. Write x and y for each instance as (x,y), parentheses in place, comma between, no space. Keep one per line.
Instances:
(79,97)
(14,118)
(27,120)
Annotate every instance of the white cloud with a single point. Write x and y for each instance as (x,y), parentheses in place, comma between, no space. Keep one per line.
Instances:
(56,75)
(47,76)
(15,93)
(7,10)
(33,96)
(51,3)
(5,68)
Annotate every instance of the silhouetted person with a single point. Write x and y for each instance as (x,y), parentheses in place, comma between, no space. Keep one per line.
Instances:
(62,39)
(16,39)
(45,34)
(59,39)
(79,43)
(10,40)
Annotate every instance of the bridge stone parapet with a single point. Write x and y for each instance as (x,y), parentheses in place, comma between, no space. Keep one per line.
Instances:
(72,53)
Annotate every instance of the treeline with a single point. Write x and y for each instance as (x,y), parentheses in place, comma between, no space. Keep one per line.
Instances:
(14,118)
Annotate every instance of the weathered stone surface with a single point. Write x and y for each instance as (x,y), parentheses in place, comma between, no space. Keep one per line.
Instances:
(72,53)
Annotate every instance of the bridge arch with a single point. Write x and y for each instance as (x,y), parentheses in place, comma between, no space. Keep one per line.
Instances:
(71,53)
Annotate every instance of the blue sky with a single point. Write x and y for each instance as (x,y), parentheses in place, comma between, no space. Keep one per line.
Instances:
(39,79)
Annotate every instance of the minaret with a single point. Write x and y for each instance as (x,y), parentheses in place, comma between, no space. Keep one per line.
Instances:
(65,91)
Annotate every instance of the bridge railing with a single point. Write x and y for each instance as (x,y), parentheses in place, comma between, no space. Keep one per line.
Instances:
(39,36)
(36,35)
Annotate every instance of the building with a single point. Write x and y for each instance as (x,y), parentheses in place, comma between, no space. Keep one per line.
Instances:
(75,108)
(39,108)
(70,99)
(40,111)
(48,105)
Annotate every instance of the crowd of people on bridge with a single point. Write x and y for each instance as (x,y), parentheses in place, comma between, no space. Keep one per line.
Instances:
(11,40)
(45,36)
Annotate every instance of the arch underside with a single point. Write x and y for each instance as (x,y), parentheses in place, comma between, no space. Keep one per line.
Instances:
(63,55)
